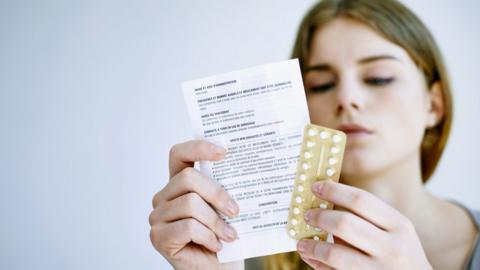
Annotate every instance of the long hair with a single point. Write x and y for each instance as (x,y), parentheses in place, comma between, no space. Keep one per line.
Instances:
(399,25)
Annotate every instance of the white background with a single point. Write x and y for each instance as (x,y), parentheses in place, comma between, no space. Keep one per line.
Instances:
(90,104)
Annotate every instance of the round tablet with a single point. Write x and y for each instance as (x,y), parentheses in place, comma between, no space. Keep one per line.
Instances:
(334,150)
(332,161)
(312,132)
(336,138)
(305,166)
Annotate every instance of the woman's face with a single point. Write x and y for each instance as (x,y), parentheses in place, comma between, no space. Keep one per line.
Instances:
(361,83)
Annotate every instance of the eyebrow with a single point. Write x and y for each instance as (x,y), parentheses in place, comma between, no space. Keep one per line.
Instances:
(376,58)
(327,67)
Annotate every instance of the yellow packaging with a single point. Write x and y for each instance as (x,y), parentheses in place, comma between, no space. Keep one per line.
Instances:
(321,158)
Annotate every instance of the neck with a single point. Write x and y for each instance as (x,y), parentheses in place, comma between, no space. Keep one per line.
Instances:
(399,185)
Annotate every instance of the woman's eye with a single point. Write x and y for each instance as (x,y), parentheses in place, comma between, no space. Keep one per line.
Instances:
(320,88)
(378,81)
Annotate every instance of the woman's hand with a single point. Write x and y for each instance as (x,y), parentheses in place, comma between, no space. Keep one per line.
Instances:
(373,235)
(185,228)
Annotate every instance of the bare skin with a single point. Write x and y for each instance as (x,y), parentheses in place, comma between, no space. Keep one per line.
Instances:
(185,228)
(367,80)
(388,220)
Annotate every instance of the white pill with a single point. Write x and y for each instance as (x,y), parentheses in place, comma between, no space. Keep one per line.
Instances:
(292,232)
(296,211)
(303,177)
(334,150)
(307,155)
(305,166)
(294,221)
(308,227)
(330,172)
(298,199)
(316,238)
(300,188)
(312,132)
(310,144)
(336,138)
(323,134)
(318,229)
(323,205)
(332,161)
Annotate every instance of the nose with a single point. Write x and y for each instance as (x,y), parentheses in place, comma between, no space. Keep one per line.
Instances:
(349,97)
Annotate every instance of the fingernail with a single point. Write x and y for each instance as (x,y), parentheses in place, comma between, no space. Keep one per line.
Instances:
(307,215)
(232,207)
(302,246)
(317,187)
(230,232)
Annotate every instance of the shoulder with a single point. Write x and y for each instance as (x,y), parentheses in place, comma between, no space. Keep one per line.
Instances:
(474,261)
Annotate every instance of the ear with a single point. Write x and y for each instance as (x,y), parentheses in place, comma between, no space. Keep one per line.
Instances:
(437,105)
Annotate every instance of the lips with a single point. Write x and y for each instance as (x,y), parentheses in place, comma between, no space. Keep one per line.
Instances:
(353,128)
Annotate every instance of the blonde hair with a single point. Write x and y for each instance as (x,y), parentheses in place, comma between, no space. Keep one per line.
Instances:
(398,24)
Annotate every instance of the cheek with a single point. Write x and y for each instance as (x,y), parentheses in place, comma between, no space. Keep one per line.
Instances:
(398,119)
(321,110)
(402,116)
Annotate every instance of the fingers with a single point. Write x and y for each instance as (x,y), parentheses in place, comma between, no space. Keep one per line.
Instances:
(349,227)
(360,202)
(191,205)
(183,155)
(170,238)
(190,180)
(333,255)
(317,265)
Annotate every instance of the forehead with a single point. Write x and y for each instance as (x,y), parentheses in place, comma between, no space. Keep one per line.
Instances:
(345,41)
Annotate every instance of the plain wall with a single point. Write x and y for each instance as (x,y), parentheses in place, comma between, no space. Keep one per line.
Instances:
(90,104)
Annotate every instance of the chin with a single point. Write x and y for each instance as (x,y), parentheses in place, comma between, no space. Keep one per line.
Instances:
(356,166)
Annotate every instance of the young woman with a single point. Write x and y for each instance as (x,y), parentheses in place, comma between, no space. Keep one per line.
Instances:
(372,70)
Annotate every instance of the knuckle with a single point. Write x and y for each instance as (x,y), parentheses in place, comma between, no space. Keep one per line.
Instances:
(217,223)
(155,239)
(192,200)
(152,218)
(212,238)
(152,237)
(187,174)
(358,198)
(156,199)
(173,151)
(201,146)
(344,222)
(220,195)
(190,226)
(331,255)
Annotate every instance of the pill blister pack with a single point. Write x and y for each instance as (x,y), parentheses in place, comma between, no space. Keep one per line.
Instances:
(320,158)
